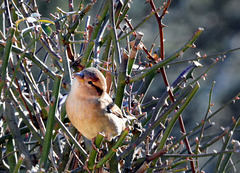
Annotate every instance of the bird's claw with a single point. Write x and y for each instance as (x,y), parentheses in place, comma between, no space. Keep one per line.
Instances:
(94,146)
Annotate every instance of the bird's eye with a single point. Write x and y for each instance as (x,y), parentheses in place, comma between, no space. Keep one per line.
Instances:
(90,82)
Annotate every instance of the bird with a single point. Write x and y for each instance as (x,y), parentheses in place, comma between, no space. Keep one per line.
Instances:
(89,107)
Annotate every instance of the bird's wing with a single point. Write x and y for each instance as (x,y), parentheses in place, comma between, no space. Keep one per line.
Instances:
(113,108)
(109,106)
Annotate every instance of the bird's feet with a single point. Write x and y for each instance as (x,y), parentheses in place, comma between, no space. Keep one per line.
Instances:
(93,145)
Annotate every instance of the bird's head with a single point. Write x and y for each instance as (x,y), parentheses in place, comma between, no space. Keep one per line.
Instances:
(90,82)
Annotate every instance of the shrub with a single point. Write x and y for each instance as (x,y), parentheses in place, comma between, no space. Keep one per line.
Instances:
(39,56)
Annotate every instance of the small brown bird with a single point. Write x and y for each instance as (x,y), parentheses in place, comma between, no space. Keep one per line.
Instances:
(90,109)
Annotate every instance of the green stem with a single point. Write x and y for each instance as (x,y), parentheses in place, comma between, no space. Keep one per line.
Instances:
(12,123)
(34,59)
(93,154)
(113,149)
(135,47)
(122,72)
(140,24)
(126,7)
(28,123)
(6,57)
(50,123)
(207,112)
(114,33)
(11,158)
(72,139)
(84,59)
(156,123)
(79,17)
(18,165)
(174,119)
(167,60)
(199,155)
(224,159)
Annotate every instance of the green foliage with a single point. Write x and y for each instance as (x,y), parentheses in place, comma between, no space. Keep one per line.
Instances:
(38,57)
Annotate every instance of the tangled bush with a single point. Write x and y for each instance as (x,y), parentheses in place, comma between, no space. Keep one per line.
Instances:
(39,56)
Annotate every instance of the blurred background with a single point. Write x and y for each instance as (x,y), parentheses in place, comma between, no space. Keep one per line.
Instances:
(221,22)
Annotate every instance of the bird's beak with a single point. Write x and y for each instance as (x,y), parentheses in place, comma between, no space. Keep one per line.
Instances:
(79,76)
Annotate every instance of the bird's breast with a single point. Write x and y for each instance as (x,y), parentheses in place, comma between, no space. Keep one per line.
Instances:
(81,109)
(89,117)
(84,114)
